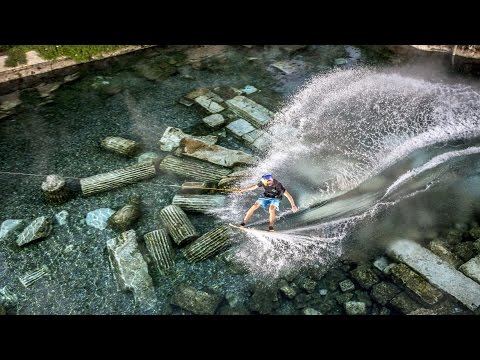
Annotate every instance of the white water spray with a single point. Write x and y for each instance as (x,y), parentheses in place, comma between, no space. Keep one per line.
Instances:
(340,130)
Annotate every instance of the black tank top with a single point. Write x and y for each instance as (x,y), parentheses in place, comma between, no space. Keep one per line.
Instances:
(275,191)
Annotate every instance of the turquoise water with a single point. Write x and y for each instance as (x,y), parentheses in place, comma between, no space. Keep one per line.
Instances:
(136,97)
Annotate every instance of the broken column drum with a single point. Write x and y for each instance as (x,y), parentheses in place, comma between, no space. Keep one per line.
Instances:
(120,145)
(55,189)
(199,203)
(208,244)
(117,178)
(178,224)
(193,169)
(160,248)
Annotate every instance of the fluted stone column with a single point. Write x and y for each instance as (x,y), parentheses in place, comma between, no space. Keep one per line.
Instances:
(208,244)
(117,178)
(120,145)
(199,203)
(178,224)
(160,248)
(193,169)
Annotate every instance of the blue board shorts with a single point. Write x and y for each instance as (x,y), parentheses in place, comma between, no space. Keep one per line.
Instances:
(266,202)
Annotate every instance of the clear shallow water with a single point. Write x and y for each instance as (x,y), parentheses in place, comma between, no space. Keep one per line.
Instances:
(376,136)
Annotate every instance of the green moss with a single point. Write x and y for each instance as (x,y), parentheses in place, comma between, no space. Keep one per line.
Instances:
(16,56)
(79,53)
(75,52)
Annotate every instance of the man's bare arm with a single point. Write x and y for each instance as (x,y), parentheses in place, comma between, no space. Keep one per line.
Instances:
(252,187)
(292,202)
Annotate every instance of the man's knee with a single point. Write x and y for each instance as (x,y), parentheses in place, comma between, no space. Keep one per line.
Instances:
(256,205)
(272,208)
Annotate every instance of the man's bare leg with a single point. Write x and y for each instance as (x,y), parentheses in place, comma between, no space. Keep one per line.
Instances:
(250,211)
(271,210)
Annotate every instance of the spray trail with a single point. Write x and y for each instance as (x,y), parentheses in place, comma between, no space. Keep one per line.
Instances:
(338,132)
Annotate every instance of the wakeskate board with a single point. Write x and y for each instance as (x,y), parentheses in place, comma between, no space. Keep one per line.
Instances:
(251,229)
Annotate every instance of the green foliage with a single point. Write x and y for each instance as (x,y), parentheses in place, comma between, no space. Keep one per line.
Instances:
(75,52)
(16,56)
(4,48)
(79,53)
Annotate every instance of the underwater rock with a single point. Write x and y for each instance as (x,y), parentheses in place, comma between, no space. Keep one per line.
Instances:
(149,158)
(99,218)
(346,285)
(355,308)
(239,128)
(465,250)
(195,187)
(249,110)
(178,224)
(172,136)
(216,154)
(209,104)
(310,311)
(404,304)
(130,269)
(208,245)
(46,89)
(365,276)
(437,271)
(405,276)
(8,227)
(61,217)
(214,121)
(440,249)
(383,292)
(39,228)
(117,178)
(160,249)
(122,219)
(197,301)
(472,268)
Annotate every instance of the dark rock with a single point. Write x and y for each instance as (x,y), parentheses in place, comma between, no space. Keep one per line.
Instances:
(362,296)
(404,303)
(342,298)
(263,298)
(406,276)
(302,300)
(235,310)
(332,278)
(475,232)
(454,236)
(196,301)
(383,292)
(289,291)
(346,285)
(465,250)
(355,308)
(365,276)
(3,311)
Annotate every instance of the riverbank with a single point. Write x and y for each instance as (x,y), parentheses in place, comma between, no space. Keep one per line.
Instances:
(36,64)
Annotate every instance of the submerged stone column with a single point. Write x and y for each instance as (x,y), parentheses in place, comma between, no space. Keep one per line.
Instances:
(160,248)
(55,189)
(117,178)
(178,224)
(208,244)
(199,203)
(193,169)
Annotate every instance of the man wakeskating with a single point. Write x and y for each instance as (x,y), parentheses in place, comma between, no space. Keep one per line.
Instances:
(273,192)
